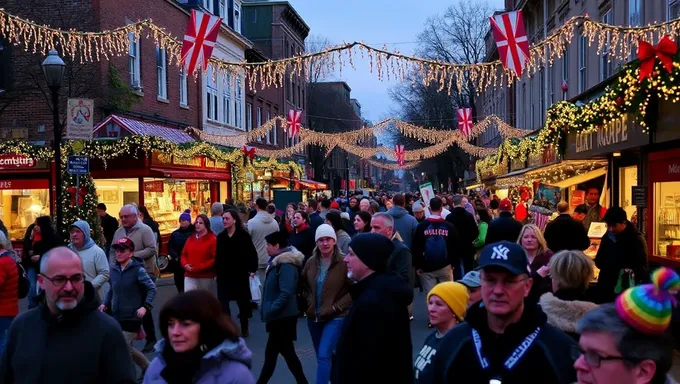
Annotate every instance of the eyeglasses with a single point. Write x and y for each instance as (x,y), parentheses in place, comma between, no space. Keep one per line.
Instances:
(126,216)
(594,359)
(505,283)
(60,281)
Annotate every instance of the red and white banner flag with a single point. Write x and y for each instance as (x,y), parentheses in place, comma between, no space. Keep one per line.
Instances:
(401,154)
(541,220)
(511,40)
(294,117)
(199,40)
(465,120)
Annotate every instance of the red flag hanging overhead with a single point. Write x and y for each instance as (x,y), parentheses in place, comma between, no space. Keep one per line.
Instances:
(401,154)
(294,117)
(199,40)
(511,40)
(465,120)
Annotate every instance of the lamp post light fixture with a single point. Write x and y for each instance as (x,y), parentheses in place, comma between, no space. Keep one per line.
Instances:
(53,68)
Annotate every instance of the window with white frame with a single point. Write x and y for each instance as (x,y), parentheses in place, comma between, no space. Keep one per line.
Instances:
(162,73)
(208,5)
(223,10)
(237,16)
(183,88)
(551,86)
(565,71)
(524,102)
(275,130)
(606,65)
(533,104)
(673,10)
(582,55)
(211,93)
(133,62)
(226,99)
(258,121)
(634,12)
(249,117)
(238,107)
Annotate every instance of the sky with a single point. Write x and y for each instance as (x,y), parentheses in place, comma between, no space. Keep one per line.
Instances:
(375,22)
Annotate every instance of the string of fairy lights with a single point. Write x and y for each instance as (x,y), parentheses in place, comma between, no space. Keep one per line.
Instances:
(616,41)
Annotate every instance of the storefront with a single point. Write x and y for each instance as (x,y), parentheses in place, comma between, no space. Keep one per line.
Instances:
(24,193)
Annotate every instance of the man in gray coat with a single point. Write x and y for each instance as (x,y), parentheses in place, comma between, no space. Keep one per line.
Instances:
(404,224)
(261,225)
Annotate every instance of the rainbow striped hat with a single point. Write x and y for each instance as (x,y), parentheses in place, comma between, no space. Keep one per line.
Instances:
(647,308)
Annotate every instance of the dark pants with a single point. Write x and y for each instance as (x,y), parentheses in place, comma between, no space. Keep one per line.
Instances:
(245,311)
(281,345)
(147,322)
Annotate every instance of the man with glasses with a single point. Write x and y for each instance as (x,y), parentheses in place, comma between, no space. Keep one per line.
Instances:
(66,339)
(505,338)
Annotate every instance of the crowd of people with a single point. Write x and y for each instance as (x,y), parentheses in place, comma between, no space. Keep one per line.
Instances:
(508,301)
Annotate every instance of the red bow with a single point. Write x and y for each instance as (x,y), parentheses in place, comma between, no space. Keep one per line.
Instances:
(249,152)
(77,195)
(647,54)
(401,154)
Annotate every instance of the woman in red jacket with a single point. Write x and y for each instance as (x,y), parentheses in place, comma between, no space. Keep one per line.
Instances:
(9,285)
(198,257)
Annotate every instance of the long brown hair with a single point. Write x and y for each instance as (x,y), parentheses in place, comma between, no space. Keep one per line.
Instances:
(202,307)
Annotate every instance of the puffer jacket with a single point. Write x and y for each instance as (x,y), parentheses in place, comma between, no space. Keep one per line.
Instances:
(279,297)
(9,284)
(131,288)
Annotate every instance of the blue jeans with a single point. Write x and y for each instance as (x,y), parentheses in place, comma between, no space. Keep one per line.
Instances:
(33,289)
(5,322)
(324,337)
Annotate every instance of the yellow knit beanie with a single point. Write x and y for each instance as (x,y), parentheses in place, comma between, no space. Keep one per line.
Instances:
(455,295)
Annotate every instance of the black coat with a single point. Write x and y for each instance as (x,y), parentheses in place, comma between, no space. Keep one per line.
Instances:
(314,221)
(566,233)
(236,259)
(39,248)
(505,227)
(155,229)
(303,241)
(627,250)
(109,225)
(375,340)
(467,231)
(176,243)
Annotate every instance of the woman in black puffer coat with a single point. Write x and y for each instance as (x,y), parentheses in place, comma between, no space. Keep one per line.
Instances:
(175,245)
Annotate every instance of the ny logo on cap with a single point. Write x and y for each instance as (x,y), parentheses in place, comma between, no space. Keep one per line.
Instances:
(500,252)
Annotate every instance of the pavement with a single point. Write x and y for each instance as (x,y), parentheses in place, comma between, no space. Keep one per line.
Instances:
(303,346)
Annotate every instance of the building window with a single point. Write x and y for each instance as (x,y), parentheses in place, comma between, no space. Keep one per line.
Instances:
(673,9)
(524,103)
(211,94)
(532,99)
(4,67)
(275,140)
(249,117)
(582,54)
(226,100)
(162,73)
(605,59)
(238,111)
(208,5)
(634,12)
(223,11)
(133,62)
(183,97)
(258,121)
(551,86)
(565,71)
(237,17)
(541,96)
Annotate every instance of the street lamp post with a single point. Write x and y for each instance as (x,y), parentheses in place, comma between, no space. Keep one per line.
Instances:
(53,67)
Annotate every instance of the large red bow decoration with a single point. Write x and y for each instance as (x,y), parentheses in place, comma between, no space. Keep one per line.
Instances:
(401,154)
(77,195)
(294,117)
(249,152)
(647,54)
(199,40)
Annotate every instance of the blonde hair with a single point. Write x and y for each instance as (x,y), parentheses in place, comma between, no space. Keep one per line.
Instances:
(542,245)
(571,270)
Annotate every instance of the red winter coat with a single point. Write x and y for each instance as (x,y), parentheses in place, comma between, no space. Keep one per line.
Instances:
(200,254)
(9,284)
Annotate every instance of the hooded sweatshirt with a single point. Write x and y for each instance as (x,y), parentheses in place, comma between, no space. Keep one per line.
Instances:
(228,363)
(259,227)
(95,263)
(404,224)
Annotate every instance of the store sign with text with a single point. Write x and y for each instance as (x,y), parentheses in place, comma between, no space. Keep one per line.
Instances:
(616,135)
(665,170)
(153,186)
(24,184)
(14,161)
(194,162)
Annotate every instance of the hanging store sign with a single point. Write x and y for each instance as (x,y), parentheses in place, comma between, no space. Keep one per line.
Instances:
(13,161)
(619,134)
(154,186)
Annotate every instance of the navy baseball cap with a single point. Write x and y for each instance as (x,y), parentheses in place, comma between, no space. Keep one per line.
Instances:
(506,255)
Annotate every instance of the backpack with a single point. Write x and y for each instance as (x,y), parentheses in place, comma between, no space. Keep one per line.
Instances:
(23,285)
(436,251)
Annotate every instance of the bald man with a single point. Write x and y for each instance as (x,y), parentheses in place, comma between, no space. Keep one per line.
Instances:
(565,232)
(65,339)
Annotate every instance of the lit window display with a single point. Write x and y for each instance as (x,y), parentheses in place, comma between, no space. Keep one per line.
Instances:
(20,207)
(166,199)
(667,219)
(117,192)
(628,178)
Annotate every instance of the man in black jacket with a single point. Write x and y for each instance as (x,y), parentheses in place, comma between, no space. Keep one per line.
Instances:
(507,339)
(467,231)
(66,339)
(109,226)
(565,232)
(375,340)
(505,227)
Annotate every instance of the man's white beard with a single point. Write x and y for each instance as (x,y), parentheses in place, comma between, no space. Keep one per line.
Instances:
(350,276)
(66,306)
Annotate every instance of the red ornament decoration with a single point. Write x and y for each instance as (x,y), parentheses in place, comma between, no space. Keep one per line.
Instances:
(294,117)
(199,40)
(465,120)
(511,40)
(401,154)
(76,195)
(647,54)
(619,101)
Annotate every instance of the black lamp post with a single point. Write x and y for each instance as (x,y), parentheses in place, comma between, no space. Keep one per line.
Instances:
(53,68)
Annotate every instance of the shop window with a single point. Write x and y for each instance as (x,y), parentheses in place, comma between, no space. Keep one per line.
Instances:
(667,225)
(166,199)
(20,207)
(117,192)
(628,178)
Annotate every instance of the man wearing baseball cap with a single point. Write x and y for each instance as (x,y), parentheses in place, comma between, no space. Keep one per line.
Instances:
(505,339)
(472,282)
(505,227)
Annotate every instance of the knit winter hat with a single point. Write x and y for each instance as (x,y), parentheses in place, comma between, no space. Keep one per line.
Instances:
(335,205)
(417,207)
(325,230)
(455,295)
(647,308)
(372,249)
(186,216)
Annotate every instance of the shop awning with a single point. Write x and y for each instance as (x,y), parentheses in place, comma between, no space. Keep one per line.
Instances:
(575,171)
(311,184)
(115,126)
(191,174)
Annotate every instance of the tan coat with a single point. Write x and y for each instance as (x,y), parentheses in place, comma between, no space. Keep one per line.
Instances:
(335,300)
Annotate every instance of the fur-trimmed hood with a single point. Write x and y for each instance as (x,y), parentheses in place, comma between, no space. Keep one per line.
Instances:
(291,256)
(564,314)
